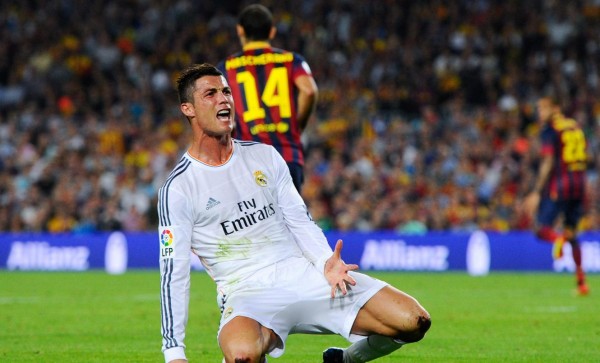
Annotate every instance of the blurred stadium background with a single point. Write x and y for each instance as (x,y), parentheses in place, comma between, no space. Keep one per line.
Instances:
(421,150)
(425,120)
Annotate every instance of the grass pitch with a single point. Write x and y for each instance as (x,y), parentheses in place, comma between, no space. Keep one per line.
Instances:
(95,317)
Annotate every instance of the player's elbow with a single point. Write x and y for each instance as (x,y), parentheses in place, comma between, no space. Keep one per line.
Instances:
(308,97)
(307,88)
(312,93)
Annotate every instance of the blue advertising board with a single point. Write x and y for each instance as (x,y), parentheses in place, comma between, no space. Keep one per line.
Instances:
(476,253)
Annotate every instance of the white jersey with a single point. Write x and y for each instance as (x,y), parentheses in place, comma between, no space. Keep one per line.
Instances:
(238,218)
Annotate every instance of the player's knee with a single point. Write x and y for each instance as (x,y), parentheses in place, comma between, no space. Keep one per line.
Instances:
(242,358)
(569,234)
(423,325)
(415,331)
(243,354)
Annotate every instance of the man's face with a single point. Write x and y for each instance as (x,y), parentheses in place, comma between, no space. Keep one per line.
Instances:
(545,109)
(212,107)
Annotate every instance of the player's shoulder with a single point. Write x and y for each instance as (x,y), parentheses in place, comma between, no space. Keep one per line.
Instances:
(256,148)
(177,175)
(229,62)
(232,56)
(253,146)
(295,54)
(563,123)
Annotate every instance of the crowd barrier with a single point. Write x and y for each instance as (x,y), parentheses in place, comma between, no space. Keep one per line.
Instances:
(476,253)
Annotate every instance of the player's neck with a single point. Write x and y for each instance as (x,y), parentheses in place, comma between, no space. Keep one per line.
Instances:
(212,151)
(256,44)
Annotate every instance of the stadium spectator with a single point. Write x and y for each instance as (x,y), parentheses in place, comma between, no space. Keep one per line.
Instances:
(428,86)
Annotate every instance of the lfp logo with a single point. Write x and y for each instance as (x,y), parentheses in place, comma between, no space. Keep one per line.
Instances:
(166,241)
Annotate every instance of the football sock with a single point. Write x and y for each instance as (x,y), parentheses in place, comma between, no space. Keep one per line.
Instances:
(580,276)
(373,347)
(576,251)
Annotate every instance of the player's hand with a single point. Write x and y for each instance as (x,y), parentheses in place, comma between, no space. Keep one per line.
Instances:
(531,204)
(336,271)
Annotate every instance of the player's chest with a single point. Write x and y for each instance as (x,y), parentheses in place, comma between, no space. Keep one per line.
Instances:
(247,197)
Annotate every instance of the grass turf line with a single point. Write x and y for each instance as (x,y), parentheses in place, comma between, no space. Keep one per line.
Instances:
(95,317)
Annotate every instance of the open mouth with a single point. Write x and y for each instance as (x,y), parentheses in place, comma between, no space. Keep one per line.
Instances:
(224,115)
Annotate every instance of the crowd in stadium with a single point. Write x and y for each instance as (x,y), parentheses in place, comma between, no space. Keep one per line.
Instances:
(425,121)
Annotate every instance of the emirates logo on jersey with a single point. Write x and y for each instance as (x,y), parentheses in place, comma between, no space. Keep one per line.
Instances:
(260,178)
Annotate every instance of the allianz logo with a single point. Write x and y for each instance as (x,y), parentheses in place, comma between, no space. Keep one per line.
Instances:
(39,255)
(397,255)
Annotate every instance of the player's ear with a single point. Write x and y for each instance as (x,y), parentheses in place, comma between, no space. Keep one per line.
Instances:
(187,109)
(240,31)
(272,33)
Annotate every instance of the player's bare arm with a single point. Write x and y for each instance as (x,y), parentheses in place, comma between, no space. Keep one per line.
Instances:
(307,99)
(532,201)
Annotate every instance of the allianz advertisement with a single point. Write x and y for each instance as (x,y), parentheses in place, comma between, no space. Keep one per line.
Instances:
(477,253)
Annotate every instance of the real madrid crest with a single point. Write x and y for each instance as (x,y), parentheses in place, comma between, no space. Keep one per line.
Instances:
(260,178)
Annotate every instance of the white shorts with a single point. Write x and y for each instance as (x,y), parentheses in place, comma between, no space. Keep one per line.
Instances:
(293,297)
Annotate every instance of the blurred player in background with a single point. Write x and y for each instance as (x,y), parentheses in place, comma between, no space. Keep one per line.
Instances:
(560,183)
(234,205)
(274,91)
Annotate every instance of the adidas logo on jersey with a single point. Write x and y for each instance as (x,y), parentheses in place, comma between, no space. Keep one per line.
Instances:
(211,203)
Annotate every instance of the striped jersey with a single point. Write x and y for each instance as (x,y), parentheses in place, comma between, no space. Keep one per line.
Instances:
(238,218)
(262,83)
(564,140)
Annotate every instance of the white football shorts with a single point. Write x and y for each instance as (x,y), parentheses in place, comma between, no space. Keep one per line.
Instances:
(293,297)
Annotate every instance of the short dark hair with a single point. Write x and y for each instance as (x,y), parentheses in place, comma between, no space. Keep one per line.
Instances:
(187,78)
(257,21)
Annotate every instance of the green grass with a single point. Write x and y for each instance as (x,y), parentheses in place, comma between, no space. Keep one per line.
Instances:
(94,317)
